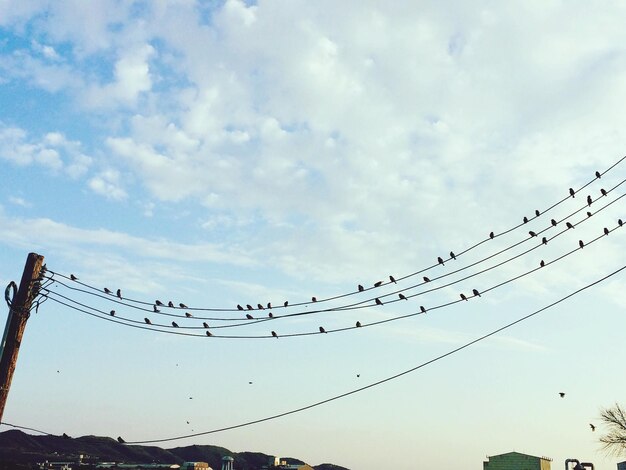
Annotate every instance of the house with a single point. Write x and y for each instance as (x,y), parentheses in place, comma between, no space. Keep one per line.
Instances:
(516,461)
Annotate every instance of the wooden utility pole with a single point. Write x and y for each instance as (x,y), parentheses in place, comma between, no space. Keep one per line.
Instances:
(19,311)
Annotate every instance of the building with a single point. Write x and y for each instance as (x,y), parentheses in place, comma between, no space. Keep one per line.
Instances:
(516,461)
(621,465)
(195,466)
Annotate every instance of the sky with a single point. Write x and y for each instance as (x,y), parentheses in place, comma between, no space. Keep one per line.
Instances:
(216,153)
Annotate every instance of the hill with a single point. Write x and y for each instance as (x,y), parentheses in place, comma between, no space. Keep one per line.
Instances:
(19,448)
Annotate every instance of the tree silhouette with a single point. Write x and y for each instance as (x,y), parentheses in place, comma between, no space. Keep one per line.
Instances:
(614,418)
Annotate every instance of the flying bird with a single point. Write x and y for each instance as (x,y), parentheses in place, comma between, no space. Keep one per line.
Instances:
(313,299)
(239,307)
(589,200)
(423,310)
(561,394)
(542,263)
(170,304)
(402,296)
(581,244)
(606,231)
(492,235)
(249,317)
(274,334)
(544,240)
(537,213)
(322,330)
(392,279)
(260,307)
(593,428)
(426,279)
(182,305)
(553,222)
(598,175)
(158,302)
(174,324)
(378,301)
(572,192)
(378,284)
(249,307)
(452,255)
(112,313)
(119,293)
(73,278)
(155,309)
(147,320)
(475,292)
(205,324)
(525,219)
(569,225)
(358,324)
(440,260)
(463,297)
(531,233)
(120,440)
(361,288)
(107,290)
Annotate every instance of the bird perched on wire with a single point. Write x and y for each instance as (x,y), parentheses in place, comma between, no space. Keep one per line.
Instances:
(313,299)
(440,260)
(463,297)
(492,235)
(402,296)
(119,293)
(260,307)
(525,219)
(112,313)
(606,231)
(170,304)
(155,309)
(475,292)
(182,305)
(572,192)
(603,191)
(107,290)
(174,324)
(73,278)
(569,225)
(537,213)
(581,244)
(553,222)
(452,255)
(542,263)
(422,309)
(269,305)
(286,303)
(392,279)
(249,307)
(378,301)
(147,320)
(360,288)
(358,324)
(426,279)
(598,175)
(544,240)
(239,307)
(378,284)
(589,200)
(619,222)
(274,334)
(208,333)
(322,330)
(205,324)
(271,315)
(188,315)
(158,302)
(531,233)
(249,317)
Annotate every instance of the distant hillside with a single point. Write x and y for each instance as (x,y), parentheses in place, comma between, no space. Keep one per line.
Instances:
(17,447)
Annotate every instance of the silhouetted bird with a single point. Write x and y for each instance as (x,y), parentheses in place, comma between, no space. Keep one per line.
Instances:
(402,296)
(452,255)
(378,301)
(205,324)
(593,428)
(423,309)
(561,394)
(249,307)
(589,214)
(170,304)
(598,175)
(120,440)
(274,334)
(358,324)
(322,330)
(392,279)
(271,315)
(525,219)
(440,260)
(537,213)
(107,291)
(553,222)
(286,303)
(112,313)
(569,225)
(260,307)
(475,292)
(65,436)
(119,293)
(73,278)
(492,235)
(358,375)
(426,279)
(239,307)
(544,240)
(572,192)
(155,309)
(313,299)
(542,263)
(249,317)
(174,324)
(269,305)
(360,288)
(531,233)
(581,244)
(188,315)
(158,302)
(463,297)
(378,284)
(603,191)
(147,320)
(619,222)
(606,231)
(182,305)
(208,333)
(589,200)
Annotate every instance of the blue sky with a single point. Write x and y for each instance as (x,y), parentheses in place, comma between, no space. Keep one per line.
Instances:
(217,153)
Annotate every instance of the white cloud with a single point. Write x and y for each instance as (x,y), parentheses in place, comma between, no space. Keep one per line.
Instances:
(18,201)
(107,183)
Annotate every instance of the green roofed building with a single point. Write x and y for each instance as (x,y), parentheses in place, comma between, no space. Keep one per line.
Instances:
(516,461)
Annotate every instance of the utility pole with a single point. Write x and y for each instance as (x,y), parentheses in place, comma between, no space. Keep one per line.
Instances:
(19,311)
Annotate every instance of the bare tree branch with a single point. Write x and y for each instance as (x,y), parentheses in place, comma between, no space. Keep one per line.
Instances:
(614,441)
